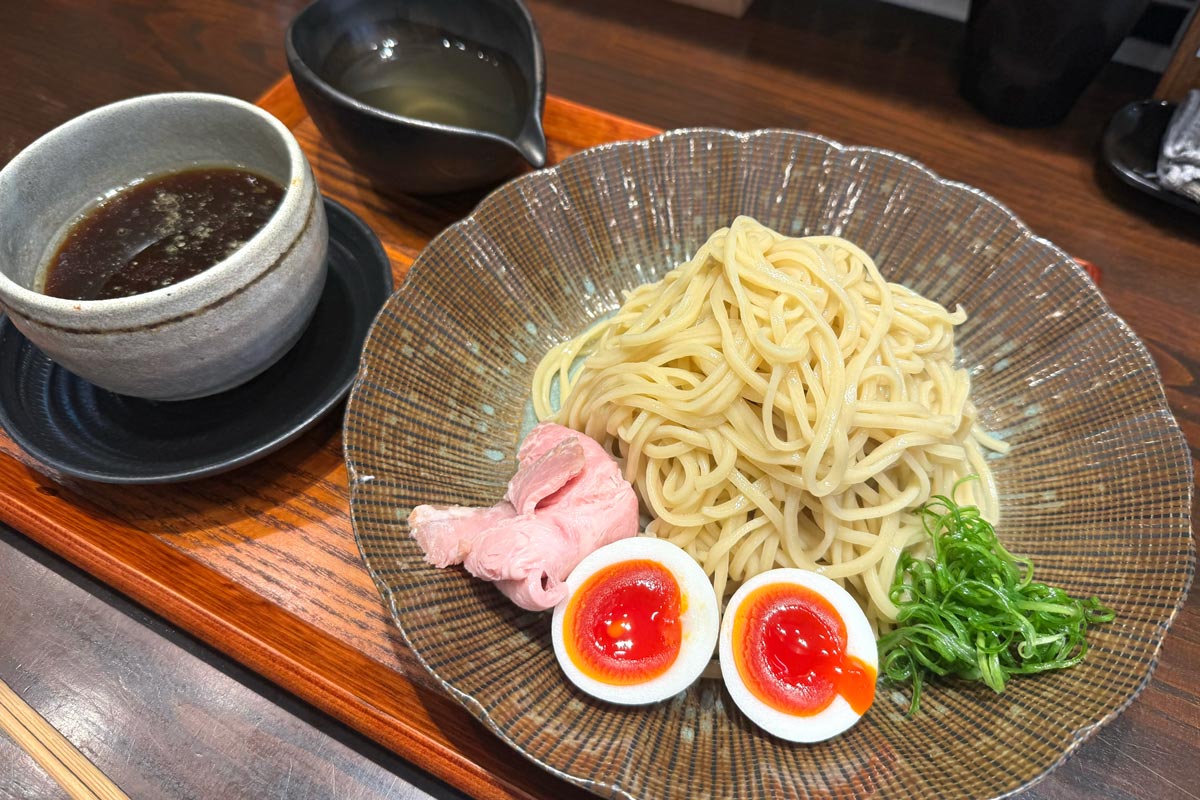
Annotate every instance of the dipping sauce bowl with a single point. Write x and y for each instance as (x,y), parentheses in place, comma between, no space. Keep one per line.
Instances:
(423,96)
(203,335)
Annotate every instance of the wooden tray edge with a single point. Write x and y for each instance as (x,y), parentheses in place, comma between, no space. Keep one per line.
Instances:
(219,612)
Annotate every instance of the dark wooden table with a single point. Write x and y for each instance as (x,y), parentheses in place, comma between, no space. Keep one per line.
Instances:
(854,70)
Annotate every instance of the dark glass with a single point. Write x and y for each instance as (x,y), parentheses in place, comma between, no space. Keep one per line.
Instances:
(1028,61)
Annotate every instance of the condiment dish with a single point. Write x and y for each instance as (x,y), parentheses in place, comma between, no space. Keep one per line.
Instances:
(1131,144)
(79,429)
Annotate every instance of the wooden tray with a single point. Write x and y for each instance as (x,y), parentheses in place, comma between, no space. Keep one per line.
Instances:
(261,562)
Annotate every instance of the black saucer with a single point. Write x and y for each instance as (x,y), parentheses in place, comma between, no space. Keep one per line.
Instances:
(1131,144)
(82,430)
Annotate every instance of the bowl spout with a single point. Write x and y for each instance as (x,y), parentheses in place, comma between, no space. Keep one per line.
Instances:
(531,144)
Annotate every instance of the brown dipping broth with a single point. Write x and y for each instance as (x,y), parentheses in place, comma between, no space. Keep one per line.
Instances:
(161,231)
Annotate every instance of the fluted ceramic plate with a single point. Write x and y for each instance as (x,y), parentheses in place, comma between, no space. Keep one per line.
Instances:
(1097,487)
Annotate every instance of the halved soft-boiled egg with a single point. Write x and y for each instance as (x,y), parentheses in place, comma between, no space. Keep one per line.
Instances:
(798,655)
(639,622)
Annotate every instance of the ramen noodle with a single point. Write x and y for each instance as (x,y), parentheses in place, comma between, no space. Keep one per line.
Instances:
(777,403)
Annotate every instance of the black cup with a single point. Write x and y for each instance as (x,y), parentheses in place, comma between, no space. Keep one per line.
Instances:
(1028,61)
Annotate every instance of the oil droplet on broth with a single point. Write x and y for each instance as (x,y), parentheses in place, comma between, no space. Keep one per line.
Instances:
(159,231)
(418,72)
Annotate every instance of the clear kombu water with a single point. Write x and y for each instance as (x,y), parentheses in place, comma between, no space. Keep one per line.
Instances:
(426,74)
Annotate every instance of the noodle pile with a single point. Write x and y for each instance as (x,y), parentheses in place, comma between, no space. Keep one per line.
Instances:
(777,403)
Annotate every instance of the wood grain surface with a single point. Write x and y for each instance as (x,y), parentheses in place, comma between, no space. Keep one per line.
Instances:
(159,713)
(260,562)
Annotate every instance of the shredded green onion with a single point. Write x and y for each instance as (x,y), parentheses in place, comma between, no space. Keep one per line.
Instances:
(973,610)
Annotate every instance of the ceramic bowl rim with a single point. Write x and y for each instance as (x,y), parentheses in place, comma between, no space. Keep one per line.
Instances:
(25,303)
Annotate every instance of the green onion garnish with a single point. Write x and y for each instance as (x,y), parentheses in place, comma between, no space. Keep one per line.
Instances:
(973,610)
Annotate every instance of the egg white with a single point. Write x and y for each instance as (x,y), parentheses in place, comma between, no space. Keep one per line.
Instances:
(699,622)
(860,643)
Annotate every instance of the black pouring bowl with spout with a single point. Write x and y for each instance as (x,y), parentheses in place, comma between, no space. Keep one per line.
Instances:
(423,96)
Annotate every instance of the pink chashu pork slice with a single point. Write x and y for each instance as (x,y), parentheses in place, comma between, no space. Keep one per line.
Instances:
(567,498)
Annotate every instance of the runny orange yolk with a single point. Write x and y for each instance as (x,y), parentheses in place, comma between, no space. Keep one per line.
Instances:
(622,625)
(789,645)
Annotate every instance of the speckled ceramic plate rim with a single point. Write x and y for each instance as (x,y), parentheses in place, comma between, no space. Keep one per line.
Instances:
(1080,277)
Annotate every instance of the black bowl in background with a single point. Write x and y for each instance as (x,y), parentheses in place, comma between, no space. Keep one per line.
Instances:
(402,154)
